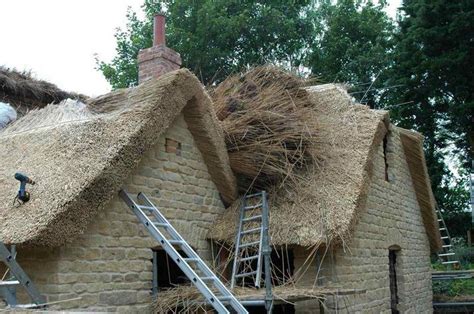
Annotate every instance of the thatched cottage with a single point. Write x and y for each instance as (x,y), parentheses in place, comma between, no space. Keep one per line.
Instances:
(350,232)
(362,224)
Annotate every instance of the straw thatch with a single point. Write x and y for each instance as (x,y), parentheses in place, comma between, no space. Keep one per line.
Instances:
(80,155)
(187,299)
(412,143)
(265,115)
(325,203)
(25,93)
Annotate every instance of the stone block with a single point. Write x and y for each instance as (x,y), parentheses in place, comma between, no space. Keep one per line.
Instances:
(118,297)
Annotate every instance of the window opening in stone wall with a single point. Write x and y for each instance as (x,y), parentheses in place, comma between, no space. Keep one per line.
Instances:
(222,258)
(173,146)
(385,159)
(166,274)
(392,258)
(282,264)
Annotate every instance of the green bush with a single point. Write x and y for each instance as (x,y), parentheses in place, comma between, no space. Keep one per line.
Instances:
(465,255)
(453,288)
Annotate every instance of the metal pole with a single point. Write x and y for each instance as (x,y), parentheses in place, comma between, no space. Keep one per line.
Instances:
(13,288)
(267,256)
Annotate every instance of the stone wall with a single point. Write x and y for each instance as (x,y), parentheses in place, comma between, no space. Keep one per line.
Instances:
(392,218)
(109,266)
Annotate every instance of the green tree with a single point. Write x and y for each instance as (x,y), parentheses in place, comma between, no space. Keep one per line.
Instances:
(434,62)
(216,37)
(353,45)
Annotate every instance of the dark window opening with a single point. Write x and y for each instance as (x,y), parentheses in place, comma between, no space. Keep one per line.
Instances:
(277,309)
(282,268)
(222,259)
(385,142)
(392,258)
(166,274)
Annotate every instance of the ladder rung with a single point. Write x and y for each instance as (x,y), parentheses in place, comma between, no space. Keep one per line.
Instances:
(252,218)
(208,278)
(246,274)
(191,259)
(253,195)
(175,241)
(160,224)
(446,254)
(248,244)
(9,283)
(440,220)
(447,245)
(442,229)
(225,298)
(248,258)
(251,231)
(444,238)
(146,207)
(253,206)
(450,262)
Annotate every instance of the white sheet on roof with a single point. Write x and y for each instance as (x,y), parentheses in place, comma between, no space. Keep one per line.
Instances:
(7,114)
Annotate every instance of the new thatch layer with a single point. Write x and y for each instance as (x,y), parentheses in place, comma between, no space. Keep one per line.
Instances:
(24,92)
(324,204)
(413,146)
(265,116)
(79,156)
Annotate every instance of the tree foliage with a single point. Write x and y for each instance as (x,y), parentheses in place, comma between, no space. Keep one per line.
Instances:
(434,61)
(216,37)
(353,45)
(419,67)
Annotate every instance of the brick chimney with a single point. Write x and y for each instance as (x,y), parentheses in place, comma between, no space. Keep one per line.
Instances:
(159,59)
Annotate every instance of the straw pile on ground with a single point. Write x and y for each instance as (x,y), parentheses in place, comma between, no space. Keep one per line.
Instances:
(187,299)
(265,117)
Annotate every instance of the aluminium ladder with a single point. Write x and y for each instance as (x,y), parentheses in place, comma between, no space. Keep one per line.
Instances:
(155,224)
(18,277)
(447,255)
(253,223)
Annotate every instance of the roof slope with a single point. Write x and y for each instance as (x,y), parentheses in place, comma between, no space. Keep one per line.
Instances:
(325,206)
(25,92)
(310,214)
(412,143)
(79,156)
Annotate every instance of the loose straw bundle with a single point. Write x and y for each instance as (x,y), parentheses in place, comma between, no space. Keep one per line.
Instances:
(264,114)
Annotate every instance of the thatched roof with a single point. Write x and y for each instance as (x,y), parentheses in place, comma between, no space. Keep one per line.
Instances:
(80,155)
(25,93)
(266,117)
(413,146)
(325,205)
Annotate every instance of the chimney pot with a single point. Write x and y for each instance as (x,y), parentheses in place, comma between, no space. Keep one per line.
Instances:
(159,22)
